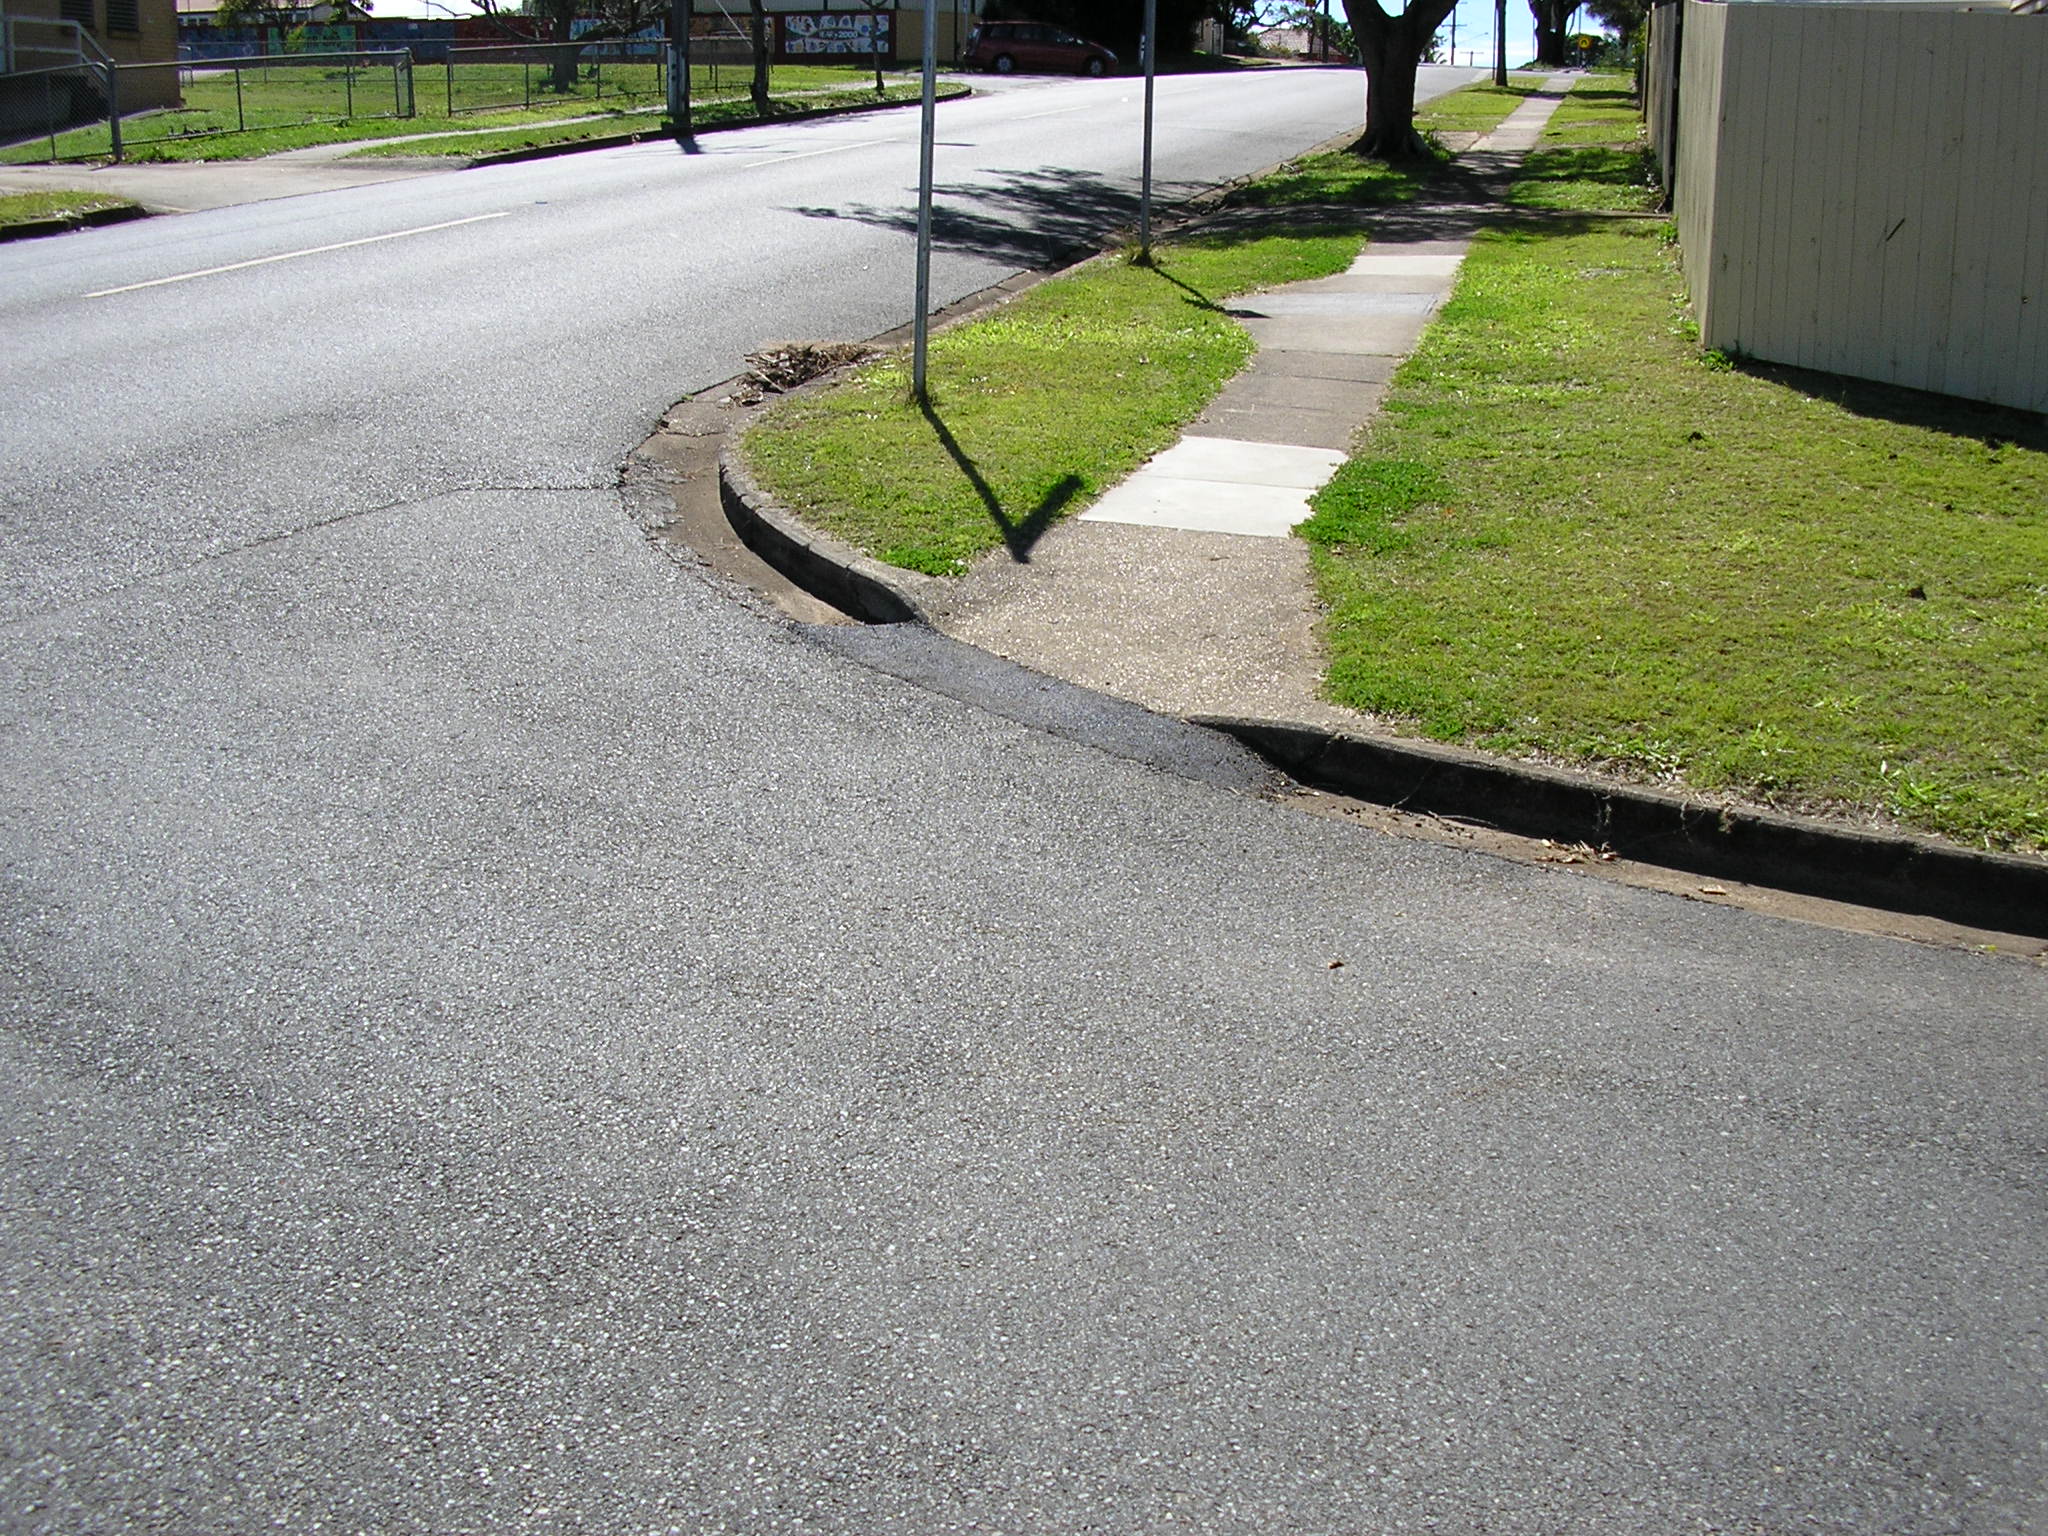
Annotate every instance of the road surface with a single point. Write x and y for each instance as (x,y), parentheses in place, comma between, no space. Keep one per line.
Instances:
(501,1036)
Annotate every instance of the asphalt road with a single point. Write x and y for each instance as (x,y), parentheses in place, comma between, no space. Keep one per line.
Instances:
(502,1036)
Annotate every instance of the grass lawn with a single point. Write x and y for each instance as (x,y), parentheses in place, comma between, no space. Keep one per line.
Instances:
(34,207)
(707,114)
(1570,535)
(1037,408)
(1338,178)
(1593,154)
(296,107)
(1477,108)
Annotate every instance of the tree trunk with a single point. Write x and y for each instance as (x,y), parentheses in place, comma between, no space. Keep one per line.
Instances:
(1391,47)
(562,75)
(757,20)
(1552,17)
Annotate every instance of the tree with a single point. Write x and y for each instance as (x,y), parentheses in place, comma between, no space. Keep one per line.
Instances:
(757,26)
(1552,17)
(284,17)
(1330,38)
(875,8)
(1391,47)
(607,18)
(1624,18)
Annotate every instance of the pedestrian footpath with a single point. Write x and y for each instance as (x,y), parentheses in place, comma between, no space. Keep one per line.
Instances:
(1181,588)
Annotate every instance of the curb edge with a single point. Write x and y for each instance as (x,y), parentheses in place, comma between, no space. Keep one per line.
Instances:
(32,229)
(1895,871)
(822,565)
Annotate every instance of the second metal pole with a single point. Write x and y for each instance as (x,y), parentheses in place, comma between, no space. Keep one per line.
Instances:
(1148,49)
(922,325)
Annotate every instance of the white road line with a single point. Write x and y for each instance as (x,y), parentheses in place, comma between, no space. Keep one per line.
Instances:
(260,261)
(1032,117)
(812,153)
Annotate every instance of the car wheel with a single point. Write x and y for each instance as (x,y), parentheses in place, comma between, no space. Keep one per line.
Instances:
(1005,65)
(1096,68)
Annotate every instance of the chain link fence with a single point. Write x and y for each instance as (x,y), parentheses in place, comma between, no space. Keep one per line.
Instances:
(604,73)
(66,117)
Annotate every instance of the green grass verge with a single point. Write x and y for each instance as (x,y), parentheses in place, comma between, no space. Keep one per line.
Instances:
(35,207)
(299,107)
(1477,108)
(1593,154)
(1339,178)
(1571,535)
(711,114)
(1037,408)
(1335,178)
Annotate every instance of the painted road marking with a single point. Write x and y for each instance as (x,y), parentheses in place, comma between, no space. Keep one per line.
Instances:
(811,153)
(262,261)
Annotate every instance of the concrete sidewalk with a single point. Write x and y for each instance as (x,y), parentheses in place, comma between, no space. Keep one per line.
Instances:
(1181,589)
(191,186)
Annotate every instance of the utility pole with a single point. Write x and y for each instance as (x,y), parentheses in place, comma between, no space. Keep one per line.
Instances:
(1145,195)
(1500,43)
(921,326)
(679,67)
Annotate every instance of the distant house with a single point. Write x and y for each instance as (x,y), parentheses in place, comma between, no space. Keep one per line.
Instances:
(81,37)
(1282,42)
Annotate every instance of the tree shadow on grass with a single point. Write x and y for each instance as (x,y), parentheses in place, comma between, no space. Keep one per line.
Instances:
(1025,219)
(1019,534)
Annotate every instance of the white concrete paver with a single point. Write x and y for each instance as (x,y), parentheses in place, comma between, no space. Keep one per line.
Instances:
(1220,485)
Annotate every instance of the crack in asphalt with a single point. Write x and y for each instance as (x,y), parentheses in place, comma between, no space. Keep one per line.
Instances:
(37,616)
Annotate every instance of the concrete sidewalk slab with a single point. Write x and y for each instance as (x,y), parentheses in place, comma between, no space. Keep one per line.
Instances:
(1325,304)
(1203,506)
(1379,262)
(1181,622)
(1259,423)
(1354,367)
(1385,335)
(1356,398)
(1234,463)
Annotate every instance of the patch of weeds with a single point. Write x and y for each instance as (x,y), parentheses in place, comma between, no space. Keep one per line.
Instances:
(1365,502)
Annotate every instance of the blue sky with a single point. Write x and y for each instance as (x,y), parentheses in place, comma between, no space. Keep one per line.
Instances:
(1475,32)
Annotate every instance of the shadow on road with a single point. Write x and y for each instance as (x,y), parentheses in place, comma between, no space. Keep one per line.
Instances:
(1027,219)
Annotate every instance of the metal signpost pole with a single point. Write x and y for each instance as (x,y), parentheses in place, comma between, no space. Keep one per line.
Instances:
(928,131)
(1145,196)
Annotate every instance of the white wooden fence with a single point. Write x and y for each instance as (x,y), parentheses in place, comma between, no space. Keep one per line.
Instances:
(1863,188)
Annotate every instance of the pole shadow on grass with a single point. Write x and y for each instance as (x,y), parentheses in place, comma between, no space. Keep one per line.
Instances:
(1019,534)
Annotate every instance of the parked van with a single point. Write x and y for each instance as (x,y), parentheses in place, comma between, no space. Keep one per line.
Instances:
(1005,46)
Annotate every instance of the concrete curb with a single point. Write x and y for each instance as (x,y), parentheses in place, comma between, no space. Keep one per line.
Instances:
(1890,871)
(1875,869)
(620,140)
(36,228)
(817,562)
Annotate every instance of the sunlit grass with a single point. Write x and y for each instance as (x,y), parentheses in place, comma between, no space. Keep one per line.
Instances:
(1569,534)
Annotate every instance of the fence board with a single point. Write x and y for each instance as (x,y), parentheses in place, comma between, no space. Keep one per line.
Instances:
(1862,189)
